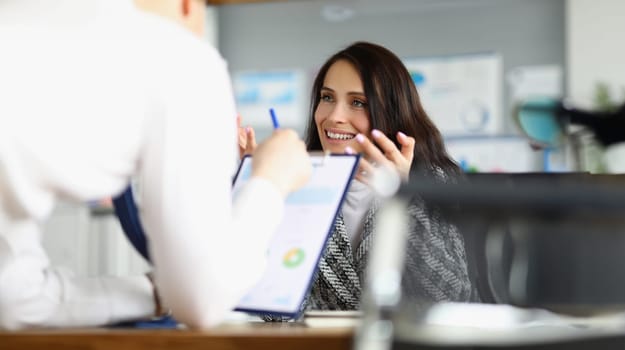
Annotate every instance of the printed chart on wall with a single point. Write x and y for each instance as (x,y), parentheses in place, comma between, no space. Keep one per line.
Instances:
(461,93)
(299,241)
(283,90)
(501,153)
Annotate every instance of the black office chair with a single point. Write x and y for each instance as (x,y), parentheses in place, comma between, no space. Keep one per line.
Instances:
(489,244)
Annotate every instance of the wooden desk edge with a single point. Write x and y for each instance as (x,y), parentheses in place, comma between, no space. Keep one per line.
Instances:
(269,336)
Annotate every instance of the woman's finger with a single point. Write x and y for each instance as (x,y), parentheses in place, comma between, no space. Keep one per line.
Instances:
(364,171)
(250,141)
(407,145)
(387,146)
(370,150)
(242,135)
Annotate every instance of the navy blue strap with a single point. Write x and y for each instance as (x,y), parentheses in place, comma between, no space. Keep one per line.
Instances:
(126,211)
(128,215)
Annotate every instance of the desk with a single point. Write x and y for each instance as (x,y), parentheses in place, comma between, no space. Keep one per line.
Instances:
(257,336)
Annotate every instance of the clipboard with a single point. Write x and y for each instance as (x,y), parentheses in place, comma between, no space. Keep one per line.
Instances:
(301,237)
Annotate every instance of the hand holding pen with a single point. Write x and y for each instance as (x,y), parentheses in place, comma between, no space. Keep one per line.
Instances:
(282,157)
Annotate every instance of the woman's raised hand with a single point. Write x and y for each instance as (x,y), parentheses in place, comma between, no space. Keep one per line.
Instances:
(247,139)
(384,154)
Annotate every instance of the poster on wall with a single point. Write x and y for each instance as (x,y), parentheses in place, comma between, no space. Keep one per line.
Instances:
(539,81)
(500,153)
(461,93)
(283,90)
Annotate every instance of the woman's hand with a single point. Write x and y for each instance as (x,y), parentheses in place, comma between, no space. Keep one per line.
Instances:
(247,139)
(384,154)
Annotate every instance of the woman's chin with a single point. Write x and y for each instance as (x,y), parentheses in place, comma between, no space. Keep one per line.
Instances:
(337,147)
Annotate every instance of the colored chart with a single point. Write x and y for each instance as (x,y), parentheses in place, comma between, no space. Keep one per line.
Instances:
(293,258)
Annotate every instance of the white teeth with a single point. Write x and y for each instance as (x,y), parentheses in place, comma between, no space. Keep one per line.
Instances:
(335,136)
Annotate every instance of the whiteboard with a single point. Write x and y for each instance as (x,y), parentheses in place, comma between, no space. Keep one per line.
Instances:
(502,153)
(461,93)
(283,90)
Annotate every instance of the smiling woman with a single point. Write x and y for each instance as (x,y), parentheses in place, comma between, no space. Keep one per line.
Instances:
(366,90)
(364,101)
(342,110)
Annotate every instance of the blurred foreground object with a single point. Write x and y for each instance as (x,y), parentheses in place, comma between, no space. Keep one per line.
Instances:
(565,268)
(546,121)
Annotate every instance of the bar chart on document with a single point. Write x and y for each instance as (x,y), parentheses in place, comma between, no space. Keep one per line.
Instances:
(299,241)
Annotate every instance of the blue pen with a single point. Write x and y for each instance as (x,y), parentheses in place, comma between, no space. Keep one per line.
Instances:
(274,119)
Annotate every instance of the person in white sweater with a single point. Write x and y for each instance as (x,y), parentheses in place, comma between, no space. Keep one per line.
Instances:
(94,93)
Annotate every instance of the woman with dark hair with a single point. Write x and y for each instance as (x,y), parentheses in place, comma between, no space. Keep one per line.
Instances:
(364,101)
(389,101)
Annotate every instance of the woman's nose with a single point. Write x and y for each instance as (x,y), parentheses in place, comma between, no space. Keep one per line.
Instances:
(338,113)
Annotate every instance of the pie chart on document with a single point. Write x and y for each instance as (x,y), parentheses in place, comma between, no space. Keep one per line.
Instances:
(293,258)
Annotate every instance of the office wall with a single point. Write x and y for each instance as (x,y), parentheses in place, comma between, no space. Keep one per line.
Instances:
(595,51)
(211,28)
(294,34)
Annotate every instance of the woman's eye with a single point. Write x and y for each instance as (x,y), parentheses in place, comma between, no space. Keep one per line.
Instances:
(358,103)
(326,98)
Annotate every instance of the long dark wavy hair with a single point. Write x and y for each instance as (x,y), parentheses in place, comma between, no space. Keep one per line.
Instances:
(393,104)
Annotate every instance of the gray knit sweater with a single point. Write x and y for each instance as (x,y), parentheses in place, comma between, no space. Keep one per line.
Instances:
(436,267)
(436,264)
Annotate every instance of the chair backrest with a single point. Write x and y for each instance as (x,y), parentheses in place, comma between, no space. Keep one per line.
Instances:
(488,243)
